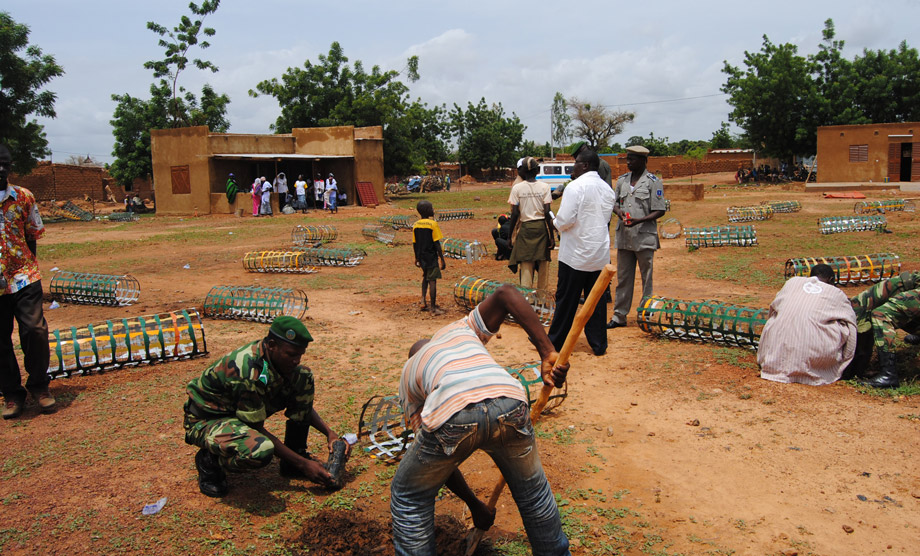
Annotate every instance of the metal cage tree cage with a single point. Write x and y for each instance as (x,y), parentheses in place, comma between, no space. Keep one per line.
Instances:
(254,303)
(94,289)
(721,236)
(116,343)
(311,235)
(850,269)
(749,213)
(702,321)
(886,205)
(291,262)
(471,290)
(841,224)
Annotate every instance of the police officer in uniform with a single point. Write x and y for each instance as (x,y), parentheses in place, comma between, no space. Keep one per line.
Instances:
(640,203)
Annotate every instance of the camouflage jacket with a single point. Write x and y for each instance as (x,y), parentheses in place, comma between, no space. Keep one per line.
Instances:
(243,384)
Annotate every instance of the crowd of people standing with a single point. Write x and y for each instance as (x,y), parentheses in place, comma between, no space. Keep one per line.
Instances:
(306,193)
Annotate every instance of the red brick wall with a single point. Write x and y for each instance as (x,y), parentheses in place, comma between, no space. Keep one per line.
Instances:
(63,181)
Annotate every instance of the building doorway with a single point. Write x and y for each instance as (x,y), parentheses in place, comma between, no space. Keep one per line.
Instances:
(906,159)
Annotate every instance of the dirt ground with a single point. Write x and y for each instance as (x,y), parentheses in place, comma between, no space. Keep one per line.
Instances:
(662,447)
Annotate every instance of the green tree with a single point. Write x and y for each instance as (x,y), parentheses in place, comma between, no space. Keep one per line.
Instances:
(176,45)
(889,84)
(722,138)
(771,99)
(561,121)
(169,105)
(781,98)
(24,71)
(596,124)
(531,148)
(486,138)
(331,93)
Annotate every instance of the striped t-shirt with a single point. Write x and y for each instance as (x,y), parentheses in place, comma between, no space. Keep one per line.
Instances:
(451,371)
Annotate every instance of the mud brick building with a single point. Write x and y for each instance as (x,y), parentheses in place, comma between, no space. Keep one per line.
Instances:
(869,153)
(191,164)
(60,182)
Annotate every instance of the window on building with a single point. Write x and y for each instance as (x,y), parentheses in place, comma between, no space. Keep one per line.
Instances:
(859,153)
(180,180)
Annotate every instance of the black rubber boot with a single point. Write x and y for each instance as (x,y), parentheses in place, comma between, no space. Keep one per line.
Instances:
(888,376)
(295,438)
(912,339)
(212,480)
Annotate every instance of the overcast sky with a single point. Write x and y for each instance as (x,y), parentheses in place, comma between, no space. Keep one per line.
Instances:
(662,60)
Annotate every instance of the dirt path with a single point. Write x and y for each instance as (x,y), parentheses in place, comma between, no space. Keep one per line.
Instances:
(662,447)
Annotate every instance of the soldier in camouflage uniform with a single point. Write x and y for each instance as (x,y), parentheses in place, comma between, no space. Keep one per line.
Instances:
(228,404)
(880,311)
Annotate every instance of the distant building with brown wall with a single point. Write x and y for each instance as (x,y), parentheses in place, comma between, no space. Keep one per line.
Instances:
(191,165)
(869,153)
(52,181)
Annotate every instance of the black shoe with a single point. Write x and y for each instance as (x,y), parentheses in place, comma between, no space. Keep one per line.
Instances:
(614,324)
(912,339)
(888,376)
(212,481)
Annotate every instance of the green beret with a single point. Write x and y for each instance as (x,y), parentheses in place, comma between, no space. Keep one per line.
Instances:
(291,331)
(577,146)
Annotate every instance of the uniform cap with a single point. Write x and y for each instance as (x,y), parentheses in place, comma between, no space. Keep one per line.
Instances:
(577,147)
(528,163)
(290,330)
(637,149)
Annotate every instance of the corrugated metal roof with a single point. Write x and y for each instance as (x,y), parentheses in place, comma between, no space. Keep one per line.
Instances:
(263,156)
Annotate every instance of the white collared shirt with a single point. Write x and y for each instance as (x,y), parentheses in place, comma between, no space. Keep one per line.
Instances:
(583,220)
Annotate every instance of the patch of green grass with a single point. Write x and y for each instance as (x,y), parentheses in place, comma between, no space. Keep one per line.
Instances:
(911,388)
(736,357)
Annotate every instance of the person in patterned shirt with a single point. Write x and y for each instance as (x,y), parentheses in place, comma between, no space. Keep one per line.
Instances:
(21,297)
(228,404)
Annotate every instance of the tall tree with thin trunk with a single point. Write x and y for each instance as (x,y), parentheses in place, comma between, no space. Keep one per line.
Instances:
(596,124)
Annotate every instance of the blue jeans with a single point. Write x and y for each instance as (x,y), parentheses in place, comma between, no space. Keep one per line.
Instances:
(502,428)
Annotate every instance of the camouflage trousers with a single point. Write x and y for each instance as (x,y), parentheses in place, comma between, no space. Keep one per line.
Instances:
(879,294)
(238,446)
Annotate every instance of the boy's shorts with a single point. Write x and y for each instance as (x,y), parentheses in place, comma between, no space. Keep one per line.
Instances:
(431,274)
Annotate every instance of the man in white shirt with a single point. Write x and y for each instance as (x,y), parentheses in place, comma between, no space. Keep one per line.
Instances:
(584,249)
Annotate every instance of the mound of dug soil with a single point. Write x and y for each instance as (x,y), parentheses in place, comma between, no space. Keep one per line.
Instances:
(350,534)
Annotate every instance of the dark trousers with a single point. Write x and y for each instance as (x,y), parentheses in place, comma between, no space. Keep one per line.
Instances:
(26,306)
(570,287)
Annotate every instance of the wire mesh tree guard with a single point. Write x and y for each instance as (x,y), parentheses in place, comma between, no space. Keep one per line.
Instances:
(702,321)
(294,262)
(885,205)
(396,221)
(327,256)
(130,341)
(70,211)
(94,289)
(254,303)
(749,213)
(123,217)
(463,249)
(379,233)
(471,290)
(721,236)
(302,236)
(453,214)
(841,224)
(783,206)
(670,228)
(850,269)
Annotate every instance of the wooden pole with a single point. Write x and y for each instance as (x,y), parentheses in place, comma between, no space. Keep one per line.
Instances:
(581,318)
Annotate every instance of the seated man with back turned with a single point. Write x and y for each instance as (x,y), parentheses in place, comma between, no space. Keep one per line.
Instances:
(459,400)
(228,404)
(810,335)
